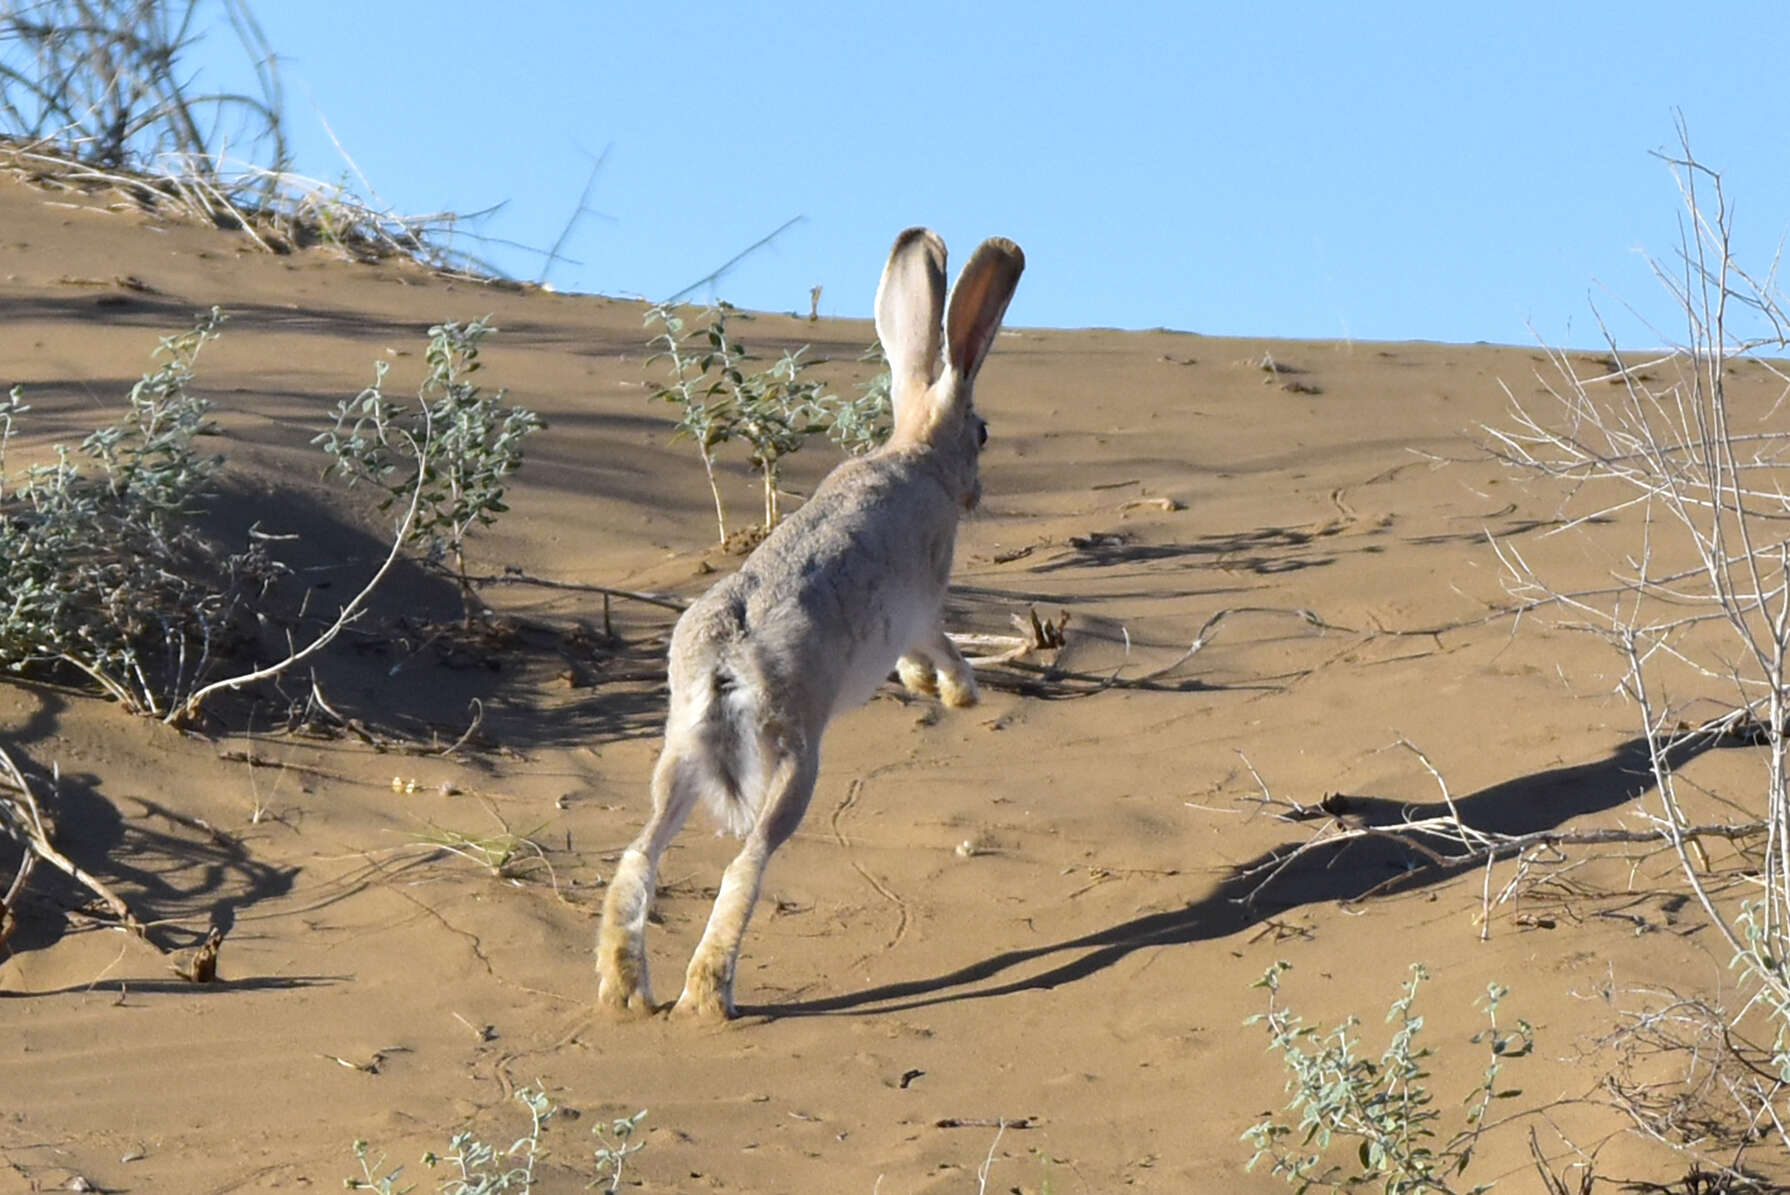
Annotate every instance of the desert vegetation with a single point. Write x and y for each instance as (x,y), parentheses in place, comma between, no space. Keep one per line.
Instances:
(1374,1123)
(474,1167)
(451,455)
(107,571)
(98,96)
(1025,939)
(773,411)
(1677,487)
(109,575)
(1696,612)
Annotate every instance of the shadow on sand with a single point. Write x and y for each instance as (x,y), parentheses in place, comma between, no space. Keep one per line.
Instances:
(1347,871)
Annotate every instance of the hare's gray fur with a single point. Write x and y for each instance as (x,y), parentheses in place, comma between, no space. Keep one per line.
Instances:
(847,588)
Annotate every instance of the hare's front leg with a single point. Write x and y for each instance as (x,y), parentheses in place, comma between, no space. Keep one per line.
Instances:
(622,983)
(708,984)
(936,668)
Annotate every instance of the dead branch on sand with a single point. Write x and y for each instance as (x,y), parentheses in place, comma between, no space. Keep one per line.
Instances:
(1035,635)
(22,820)
(518,577)
(1012,652)
(1686,1076)
(1448,843)
(350,612)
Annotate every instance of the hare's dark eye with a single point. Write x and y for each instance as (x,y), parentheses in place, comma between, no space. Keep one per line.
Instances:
(981,433)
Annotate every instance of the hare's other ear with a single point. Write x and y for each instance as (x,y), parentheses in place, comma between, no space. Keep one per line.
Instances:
(978,302)
(910,303)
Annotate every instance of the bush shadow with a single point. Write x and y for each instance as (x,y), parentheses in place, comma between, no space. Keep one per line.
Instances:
(411,668)
(1264,551)
(1342,872)
(179,875)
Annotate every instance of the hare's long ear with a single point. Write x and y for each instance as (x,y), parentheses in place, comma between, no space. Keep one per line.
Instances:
(978,302)
(910,304)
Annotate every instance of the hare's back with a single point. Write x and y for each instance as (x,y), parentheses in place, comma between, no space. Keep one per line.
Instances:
(854,578)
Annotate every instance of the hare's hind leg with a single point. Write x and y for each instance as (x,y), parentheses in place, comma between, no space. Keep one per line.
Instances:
(936,668)
(622,984)
(918,675)
(708,984)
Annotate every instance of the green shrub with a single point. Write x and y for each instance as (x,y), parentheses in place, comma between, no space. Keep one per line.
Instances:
(1382,1105)
(459,444)
(481,1169)
(862,424)
(104,569)
(100,566)
(773,410)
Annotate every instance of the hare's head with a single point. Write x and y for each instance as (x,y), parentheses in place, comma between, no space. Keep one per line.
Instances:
(932,370)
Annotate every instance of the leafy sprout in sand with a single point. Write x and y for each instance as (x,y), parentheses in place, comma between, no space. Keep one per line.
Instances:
(772,410)
(470,444)
(1381,1106)
(478,1168)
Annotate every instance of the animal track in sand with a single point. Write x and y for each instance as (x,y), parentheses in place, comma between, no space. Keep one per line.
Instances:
(883,890)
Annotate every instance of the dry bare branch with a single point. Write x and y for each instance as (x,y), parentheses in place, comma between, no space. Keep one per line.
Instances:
(1691,481)
(350,611)
(21,819)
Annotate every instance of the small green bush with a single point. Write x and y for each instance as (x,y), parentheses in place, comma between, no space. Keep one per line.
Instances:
(1381,1105)
(105,570)
(460,444)
(100,566)
(481,1169)
(862,424)
(773,410)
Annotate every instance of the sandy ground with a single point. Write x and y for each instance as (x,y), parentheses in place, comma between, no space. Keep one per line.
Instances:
(1082,967)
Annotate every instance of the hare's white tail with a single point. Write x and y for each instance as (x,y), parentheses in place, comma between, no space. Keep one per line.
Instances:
(723,732)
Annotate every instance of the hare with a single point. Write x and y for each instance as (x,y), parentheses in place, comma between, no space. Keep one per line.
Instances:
(849,586)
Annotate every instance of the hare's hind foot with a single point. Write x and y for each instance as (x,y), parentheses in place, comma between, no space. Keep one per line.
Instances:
(623,989)
(957,689)
(917,675)
(709,1008)
(708,995)
(624,1004)
(936,668)
(625,995)
(954,683)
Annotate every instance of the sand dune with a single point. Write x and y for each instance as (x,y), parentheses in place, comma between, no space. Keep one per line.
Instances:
(1082,968)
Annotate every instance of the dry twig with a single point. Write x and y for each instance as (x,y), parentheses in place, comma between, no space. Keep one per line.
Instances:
(21,818)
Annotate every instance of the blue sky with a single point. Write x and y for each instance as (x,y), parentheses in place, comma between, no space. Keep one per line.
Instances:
(1411,171)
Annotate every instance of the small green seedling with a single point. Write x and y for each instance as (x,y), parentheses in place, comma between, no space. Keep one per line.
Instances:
(459,444)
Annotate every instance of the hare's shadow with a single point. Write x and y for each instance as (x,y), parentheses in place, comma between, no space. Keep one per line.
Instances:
(1345,871)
